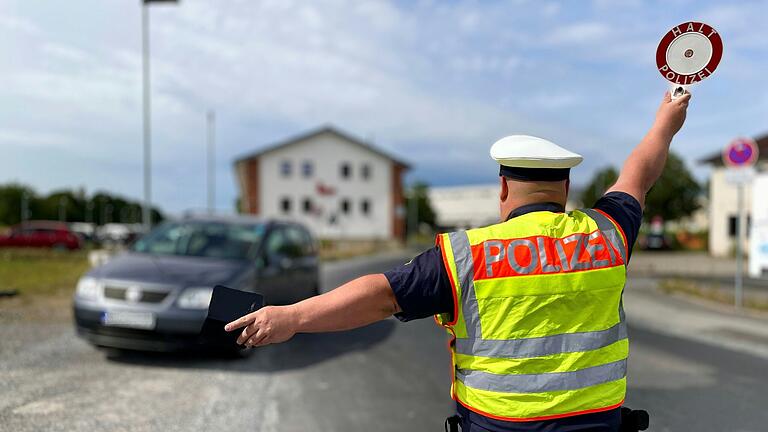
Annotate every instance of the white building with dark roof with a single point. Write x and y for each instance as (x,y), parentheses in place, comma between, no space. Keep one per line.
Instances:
(723,208)
(339,186)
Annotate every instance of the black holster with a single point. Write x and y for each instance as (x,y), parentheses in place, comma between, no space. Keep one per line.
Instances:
(452,423)
(633,420)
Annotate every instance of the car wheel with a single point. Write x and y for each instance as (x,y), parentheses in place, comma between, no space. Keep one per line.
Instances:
(59,247)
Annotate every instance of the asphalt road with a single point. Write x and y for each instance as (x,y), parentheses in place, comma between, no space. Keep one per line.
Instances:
(386,377)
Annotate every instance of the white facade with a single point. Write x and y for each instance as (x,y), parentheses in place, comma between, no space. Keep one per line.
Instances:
(465,206)
(758,242)
(337,187)
(468,206)
(723,211)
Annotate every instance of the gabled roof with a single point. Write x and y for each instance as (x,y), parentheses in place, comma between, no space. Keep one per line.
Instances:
(317,132)
(716,159)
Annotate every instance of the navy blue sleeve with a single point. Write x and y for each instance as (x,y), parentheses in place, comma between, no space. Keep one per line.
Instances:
(626,211)
(421,286)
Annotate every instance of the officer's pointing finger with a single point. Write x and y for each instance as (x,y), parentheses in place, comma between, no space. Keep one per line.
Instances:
(239,323)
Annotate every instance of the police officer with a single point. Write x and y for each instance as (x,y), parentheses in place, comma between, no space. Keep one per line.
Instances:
(533,304)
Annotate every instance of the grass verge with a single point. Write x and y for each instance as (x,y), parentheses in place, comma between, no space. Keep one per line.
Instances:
(34,272)
(714,293)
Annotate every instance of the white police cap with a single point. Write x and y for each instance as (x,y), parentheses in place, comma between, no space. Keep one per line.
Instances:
(525,151)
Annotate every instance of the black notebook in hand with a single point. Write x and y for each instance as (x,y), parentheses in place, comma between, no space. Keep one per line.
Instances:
(227,305)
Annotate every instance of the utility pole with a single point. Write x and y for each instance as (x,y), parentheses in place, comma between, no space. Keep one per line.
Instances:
(63,209)
(741,232)
(89,211)
(147,208)
(211,122)
(147,113)
(24,206)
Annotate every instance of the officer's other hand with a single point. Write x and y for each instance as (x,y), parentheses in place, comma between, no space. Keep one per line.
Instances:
(268,325)
(671,114)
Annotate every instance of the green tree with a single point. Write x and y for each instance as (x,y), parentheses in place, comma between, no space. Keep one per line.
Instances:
(418,206)
(675,195)
(69,206)
(64,205)
(108,208)
(600,183)
(11,199)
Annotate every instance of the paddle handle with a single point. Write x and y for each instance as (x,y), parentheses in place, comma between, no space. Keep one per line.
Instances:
(677,90)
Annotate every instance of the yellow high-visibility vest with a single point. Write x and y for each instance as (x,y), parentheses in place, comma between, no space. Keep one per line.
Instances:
(538,326)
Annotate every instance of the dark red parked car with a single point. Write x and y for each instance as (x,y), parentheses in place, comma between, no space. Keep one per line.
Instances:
(43,234)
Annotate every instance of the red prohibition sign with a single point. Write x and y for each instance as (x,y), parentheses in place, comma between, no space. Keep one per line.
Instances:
(689,53)
(741,152)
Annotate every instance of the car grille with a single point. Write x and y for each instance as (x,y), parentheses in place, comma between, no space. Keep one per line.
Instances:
(138,295)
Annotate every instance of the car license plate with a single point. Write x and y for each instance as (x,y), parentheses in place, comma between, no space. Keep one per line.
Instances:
(137,320)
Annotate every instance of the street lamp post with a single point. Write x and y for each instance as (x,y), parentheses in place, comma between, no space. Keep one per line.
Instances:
(147,205)
(24,206)
(211,121)
(63,209)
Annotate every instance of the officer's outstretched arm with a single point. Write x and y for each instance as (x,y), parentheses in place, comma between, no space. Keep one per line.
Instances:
(360,302)
(646,162)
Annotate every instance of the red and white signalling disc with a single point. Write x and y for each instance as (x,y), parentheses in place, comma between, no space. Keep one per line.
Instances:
(689,53)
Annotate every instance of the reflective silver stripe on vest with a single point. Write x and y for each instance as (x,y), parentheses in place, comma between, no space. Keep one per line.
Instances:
(609,231)
(545,382)
(462,256)
(611,235)
(542,346)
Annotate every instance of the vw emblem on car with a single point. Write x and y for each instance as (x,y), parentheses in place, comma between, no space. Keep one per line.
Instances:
(133,294)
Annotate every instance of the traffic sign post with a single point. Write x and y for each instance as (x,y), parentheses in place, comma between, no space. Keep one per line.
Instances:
(740,155)
(687,54)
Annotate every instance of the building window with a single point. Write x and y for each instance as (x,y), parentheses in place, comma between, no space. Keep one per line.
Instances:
(346,170)
(285,205)
(733,222)
(345,207)
(366,172)
(365,207)
(285,168)
(307,169)
(307,205)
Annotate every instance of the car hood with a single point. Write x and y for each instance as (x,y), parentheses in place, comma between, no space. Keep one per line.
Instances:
(170,270)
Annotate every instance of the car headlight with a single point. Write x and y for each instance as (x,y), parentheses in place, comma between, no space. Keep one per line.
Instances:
(88,287)
(195,298)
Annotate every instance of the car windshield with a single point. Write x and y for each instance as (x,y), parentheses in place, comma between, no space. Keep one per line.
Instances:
(202,239)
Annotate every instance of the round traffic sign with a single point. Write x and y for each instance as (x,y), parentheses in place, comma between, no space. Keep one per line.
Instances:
(689,52)
(741,152)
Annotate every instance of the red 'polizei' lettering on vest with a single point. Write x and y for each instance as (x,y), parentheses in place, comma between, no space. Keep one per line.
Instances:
(544,255)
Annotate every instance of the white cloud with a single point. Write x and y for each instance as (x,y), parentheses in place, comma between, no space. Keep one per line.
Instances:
(32,138)
(580,33)
(13,24)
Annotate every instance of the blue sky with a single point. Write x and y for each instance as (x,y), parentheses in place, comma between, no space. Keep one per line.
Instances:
(434,82)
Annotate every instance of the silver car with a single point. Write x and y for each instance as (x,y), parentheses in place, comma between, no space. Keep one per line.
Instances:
(156,295)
